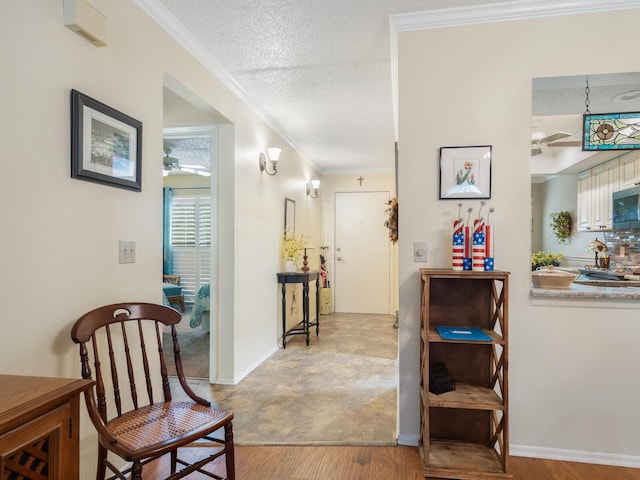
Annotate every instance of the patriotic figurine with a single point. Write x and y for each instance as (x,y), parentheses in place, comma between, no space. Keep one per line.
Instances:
(457,250)
(478,249)
(466,260)
(472,246)
(488,239)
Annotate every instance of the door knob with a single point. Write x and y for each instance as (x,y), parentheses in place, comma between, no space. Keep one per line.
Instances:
(339,259)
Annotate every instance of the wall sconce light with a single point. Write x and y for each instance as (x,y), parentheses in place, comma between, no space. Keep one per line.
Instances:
(273,154)
(312,188)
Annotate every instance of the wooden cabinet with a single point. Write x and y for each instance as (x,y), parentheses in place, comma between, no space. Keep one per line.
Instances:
(39,427)
(465,432)
(629,169)
(595,187)
(584,201)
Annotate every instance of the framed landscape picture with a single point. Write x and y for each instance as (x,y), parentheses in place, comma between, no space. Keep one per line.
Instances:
(106,145)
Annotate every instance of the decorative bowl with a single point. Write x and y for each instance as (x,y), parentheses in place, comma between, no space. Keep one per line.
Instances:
(552,278)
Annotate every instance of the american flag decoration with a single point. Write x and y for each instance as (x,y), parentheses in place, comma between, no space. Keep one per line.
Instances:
(466,261)
(458,247)
(478,249)
(488,247)
(488,239)
(472,246)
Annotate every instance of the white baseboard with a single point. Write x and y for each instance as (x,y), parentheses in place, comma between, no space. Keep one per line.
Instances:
(247,371)
(612,459)
(409,440)
(575,456)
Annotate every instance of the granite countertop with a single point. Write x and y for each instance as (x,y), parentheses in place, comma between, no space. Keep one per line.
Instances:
(585,287)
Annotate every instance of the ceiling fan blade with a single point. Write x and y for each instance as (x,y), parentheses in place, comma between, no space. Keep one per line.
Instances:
(574,140)
(554,137)
(567,143)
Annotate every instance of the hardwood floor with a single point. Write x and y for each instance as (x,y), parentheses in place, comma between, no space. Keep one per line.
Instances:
(378,463)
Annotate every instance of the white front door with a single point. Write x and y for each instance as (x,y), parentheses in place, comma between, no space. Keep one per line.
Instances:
(362,276)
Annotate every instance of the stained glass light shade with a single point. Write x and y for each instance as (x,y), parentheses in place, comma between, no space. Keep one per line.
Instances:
(611,131)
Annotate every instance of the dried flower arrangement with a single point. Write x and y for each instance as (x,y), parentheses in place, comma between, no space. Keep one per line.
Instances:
(292,245)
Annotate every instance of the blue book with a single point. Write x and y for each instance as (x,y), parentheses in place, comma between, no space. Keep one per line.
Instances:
(462,333)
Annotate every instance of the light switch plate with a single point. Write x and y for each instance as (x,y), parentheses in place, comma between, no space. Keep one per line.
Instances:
(419,251)
(127,251)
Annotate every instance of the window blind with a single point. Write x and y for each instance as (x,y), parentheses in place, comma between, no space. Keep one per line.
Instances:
(191,242)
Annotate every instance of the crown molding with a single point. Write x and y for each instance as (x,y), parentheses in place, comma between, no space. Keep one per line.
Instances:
(178,31)
(503,12)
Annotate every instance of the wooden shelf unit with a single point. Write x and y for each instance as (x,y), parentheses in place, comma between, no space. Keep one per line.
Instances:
(40,427)
(464,433)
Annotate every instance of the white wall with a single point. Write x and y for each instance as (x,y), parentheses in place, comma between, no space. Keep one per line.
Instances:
(60,235)
(572,364)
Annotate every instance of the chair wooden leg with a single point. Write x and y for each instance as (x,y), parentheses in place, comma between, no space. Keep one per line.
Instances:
(136,470)
(102,468)
(229,456)
(174,460)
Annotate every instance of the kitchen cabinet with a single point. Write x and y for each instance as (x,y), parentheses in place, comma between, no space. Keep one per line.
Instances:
(595,187)
(465,432)
(629,169)
(39,427)
(584,201)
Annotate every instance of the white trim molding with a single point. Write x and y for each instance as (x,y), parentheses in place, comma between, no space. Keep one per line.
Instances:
(503,12)
(175,29)
(575,456)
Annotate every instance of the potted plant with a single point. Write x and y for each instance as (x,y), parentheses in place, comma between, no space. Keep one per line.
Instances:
(544,259)
(292,245)
(561,225)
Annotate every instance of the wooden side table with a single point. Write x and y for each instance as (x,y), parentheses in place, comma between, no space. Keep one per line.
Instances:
(301,328)
(39,427)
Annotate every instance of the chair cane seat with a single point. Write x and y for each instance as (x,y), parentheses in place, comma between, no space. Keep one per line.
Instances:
(156,424)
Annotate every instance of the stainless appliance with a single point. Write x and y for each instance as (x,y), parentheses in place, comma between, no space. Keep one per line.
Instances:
(626,208)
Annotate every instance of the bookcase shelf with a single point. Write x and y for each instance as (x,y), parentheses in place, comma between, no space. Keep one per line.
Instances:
(464,432)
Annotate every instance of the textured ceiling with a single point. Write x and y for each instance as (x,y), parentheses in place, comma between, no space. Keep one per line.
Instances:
(321,69)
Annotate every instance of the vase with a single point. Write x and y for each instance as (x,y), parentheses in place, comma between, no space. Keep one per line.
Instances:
(290,265)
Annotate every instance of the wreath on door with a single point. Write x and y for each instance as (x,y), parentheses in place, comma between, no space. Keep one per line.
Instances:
(392,220)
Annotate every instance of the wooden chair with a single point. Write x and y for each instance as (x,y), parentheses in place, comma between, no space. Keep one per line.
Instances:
(173,290)
(142,429)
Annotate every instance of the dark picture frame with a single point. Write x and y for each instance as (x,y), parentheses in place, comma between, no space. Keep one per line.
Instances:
(465,172)
(289,215)
(106,145)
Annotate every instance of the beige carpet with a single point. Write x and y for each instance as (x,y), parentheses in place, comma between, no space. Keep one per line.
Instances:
(341,390)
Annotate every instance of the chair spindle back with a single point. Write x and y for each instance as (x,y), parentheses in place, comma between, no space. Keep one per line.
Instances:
(132,332)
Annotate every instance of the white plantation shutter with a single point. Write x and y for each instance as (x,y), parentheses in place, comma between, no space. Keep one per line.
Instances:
(191,242)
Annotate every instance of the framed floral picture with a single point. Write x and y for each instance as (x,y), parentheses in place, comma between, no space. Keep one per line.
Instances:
(465,172)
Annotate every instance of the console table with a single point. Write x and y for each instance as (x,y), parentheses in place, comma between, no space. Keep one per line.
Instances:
(303,327)
(39,427)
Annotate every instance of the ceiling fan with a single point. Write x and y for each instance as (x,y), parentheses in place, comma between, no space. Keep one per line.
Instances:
(556,139)
(171,165)
(168,162)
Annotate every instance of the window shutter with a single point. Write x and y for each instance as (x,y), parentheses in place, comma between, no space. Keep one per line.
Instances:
(191,242)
